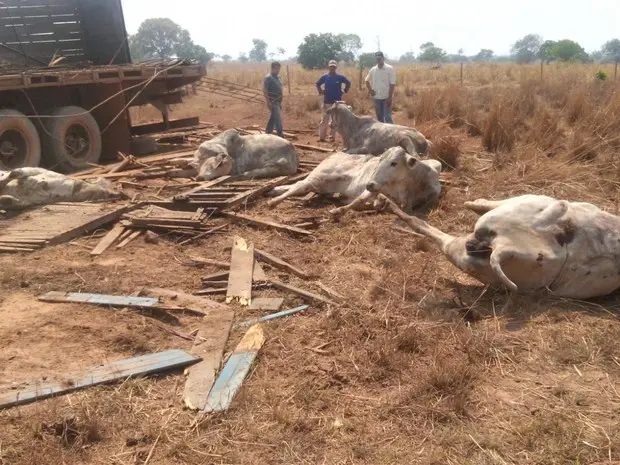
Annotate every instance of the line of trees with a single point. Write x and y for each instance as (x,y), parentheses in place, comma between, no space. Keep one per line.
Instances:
(161,38)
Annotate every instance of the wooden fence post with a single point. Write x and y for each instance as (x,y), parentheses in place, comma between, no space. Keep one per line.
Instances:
(461,74)
(360,77)
(288,79)
(542,64)
(616,71)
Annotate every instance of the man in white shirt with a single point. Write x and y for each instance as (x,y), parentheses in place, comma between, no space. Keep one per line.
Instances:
(380,82)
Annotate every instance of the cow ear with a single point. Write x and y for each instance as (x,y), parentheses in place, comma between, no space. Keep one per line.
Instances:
(411,161)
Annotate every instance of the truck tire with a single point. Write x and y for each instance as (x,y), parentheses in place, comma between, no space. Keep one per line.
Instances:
(20,145)
(72,139)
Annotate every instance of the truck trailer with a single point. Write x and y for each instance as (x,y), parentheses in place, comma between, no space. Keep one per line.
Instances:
(67,82)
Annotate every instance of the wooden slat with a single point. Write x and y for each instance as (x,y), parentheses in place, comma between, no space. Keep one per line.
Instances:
(273,316)
(260,222)
(114,301)
(241,271)
(266,303)
(300,292)
(129,238)
(116,371)
(258,275)
(279,263)
(236,369)
(108,239)
(209,344)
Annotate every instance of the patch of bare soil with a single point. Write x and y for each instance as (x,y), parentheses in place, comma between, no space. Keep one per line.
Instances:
(420,364)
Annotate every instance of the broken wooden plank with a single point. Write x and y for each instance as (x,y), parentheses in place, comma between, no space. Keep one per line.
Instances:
(258,275)
(114,301)
(209,345)
(216,276)
(129,238)
(330,291)
(279,263)
(241,271)
(108,239)
(204,234)
(236,369)
(280,227)
(121,370)
(313,148)
(266,303)
(273,316)
(208,261)
(300,292)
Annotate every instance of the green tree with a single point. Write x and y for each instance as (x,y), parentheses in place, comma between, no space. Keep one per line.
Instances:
(162,38)
(317,49)
(431,53)
(259,50)
(368,60)
(243,58)
(281,51)
(351,45)
(527,49)
(226,58)
(408,57)
(545,51)
(567,50)
(611,50)
(484,54)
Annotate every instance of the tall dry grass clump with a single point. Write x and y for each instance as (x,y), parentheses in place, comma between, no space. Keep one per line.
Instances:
(498,132)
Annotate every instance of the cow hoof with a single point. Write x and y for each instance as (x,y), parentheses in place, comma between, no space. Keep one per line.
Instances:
(271,204)
(336,214)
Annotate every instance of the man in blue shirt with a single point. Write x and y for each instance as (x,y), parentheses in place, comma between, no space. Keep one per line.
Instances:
(332,92)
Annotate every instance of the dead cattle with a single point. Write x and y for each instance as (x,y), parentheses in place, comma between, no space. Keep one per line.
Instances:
(533,242)
(397,175)
(27,187)
(365,135)
(251,156)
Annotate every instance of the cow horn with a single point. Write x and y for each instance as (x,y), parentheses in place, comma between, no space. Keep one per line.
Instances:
(496,265)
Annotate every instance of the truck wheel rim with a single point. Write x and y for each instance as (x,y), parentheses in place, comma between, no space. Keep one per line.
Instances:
(77,141)
(13,149)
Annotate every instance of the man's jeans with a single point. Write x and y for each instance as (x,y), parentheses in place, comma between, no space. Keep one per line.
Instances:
(383,111)
(275,120)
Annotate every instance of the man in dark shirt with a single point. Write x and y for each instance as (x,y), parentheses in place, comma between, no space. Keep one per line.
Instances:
(332,92)
(272,89)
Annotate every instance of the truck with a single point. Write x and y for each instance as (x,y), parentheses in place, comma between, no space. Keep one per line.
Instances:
(67,83)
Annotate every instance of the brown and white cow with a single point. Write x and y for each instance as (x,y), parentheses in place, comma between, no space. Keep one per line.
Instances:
(404,178)
(365,135)
(249,156)
(27,187)
(533,242)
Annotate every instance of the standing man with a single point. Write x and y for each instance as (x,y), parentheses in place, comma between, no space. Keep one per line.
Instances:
(332,92)
(272,89)
(380,82)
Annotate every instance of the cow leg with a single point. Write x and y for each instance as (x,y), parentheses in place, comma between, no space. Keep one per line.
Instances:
(360,151)
(299,188)
(422,227)
(482,206)
(267,172)
(15,174)
(366,196)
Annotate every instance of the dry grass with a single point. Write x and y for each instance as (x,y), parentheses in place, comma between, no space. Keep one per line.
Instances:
(418,365)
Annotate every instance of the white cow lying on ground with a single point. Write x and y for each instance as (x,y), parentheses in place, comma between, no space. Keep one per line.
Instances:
(365,135)
(533,242)
(27,187)
(361,178)
(251,156)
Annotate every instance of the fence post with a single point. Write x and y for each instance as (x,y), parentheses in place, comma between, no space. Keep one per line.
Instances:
(360,77)
(542,63)
(616,71)
(288,79)
(461,74)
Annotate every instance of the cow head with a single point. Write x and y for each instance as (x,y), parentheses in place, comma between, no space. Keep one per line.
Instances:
(396,166)
(221,164)
(337,111)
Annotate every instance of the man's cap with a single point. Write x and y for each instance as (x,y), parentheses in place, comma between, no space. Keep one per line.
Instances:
(379,54)
(332,63)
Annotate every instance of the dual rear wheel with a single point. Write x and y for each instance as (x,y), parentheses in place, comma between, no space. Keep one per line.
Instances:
(67,141)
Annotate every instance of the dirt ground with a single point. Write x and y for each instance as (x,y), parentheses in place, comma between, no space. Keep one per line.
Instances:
(420,364)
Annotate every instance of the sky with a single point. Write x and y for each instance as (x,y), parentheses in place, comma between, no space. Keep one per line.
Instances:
(398,26)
